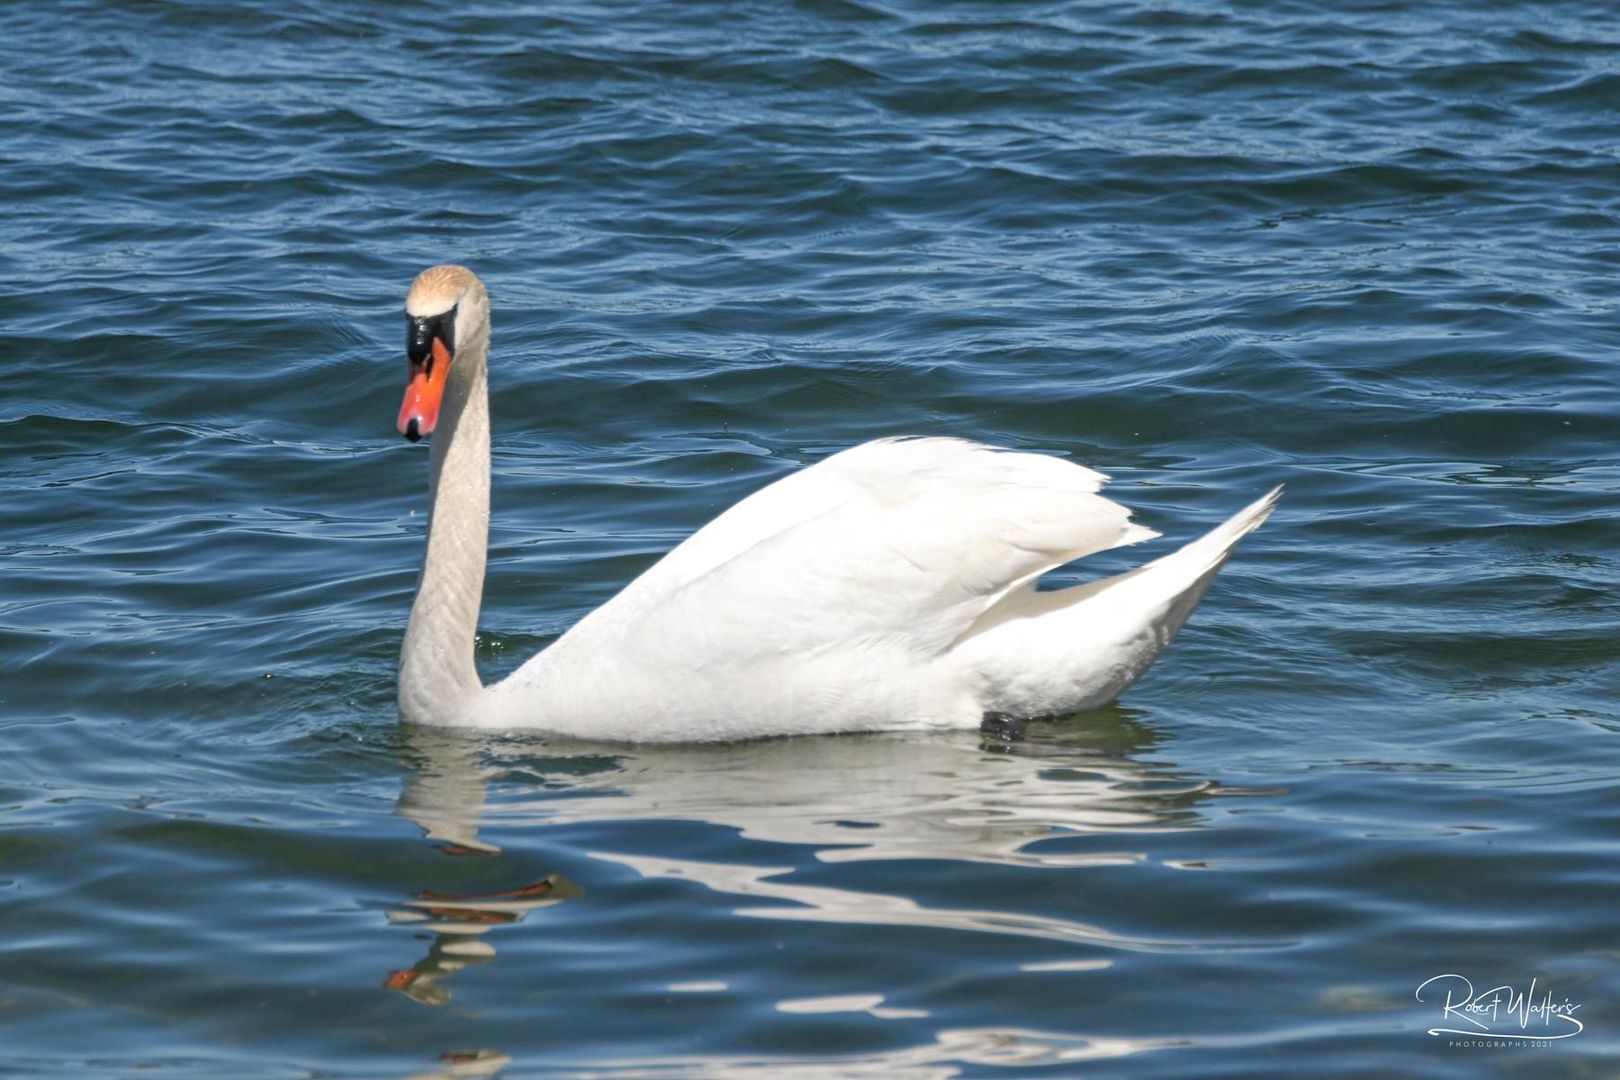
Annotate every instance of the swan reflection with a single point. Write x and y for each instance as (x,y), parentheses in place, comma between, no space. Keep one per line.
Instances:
(458,921)
(950,795)
(466,1065)
(444,794)
(1068,795)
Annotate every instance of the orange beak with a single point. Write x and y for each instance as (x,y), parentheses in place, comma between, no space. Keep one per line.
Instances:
(419,413)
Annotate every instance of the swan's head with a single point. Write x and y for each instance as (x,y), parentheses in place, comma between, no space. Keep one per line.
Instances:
(446,315)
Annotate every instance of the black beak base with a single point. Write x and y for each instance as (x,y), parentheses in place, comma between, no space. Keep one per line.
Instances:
(419,335)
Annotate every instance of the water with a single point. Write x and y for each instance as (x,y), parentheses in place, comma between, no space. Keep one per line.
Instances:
(1365,249)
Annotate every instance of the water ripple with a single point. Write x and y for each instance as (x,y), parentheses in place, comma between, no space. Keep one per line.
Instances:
(1363,249)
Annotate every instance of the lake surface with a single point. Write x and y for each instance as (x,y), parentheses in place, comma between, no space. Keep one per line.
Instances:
(1365,249)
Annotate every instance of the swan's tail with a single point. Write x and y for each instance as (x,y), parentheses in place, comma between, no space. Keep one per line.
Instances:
(1049,653)
(1182,576)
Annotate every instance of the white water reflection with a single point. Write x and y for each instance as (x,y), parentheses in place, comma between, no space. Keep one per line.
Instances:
(940,1059)
(870,1004)
(954,796)
(820,903)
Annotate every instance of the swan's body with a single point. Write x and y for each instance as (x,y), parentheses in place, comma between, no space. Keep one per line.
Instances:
(890,586)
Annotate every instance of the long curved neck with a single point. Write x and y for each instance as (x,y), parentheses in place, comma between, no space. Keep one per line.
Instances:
(438,681)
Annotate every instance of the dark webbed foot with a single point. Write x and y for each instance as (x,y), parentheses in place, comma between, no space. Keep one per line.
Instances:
(1002,726)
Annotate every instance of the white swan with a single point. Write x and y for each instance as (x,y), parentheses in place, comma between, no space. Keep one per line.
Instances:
(891,586)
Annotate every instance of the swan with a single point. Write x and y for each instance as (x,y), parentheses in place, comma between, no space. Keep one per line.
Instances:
(890,586)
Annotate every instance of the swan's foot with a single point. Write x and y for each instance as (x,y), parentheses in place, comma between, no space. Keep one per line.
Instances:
(1003,726)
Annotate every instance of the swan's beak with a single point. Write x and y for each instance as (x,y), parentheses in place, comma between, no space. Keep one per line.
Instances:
(430,371)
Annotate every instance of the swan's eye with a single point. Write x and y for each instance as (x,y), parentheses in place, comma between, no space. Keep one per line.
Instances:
(429,349)
(420,334)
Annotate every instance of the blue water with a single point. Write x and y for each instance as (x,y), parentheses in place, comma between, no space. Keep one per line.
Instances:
(1367,250)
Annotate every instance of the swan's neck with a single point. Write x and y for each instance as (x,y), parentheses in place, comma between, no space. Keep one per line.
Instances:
(438,682)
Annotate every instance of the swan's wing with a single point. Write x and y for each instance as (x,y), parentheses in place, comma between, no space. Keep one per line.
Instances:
(902,543)
(883,470)
(798,497)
